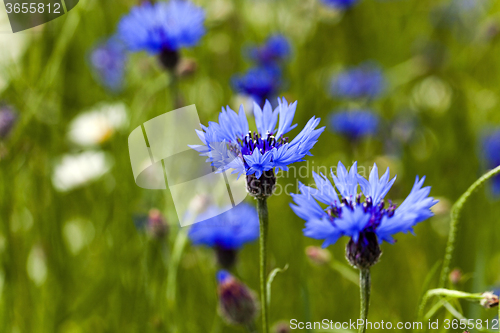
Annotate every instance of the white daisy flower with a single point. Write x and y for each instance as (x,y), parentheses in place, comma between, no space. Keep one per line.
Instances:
(97,126)
(75,170)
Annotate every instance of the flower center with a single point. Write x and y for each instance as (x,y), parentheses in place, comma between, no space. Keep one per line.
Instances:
(377,212)
(255,140)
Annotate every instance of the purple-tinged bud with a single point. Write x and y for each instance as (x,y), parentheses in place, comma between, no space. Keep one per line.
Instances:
(365,253)
(490,300)
(7,120)
(237,303)
(318,255)
(456,276)
(262,187)
(157,226)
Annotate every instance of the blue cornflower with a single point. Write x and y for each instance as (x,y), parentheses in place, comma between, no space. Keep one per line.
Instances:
(258,153)
(491,148)
(274,50)
(340,4)
(260,83)
(229,230)
(108,61)
(162,26)
(226,232)
(366,222)
(355,124)
(364,81)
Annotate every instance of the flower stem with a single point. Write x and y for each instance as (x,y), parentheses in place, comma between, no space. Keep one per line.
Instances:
(445,293)
(455,216)
(364,287)
(264,223)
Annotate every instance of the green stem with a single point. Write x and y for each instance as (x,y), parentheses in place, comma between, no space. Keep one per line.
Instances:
(455,216)
(445,293)
(264,224)
(364,287)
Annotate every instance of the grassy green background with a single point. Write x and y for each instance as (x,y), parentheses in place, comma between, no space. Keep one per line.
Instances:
(117,282)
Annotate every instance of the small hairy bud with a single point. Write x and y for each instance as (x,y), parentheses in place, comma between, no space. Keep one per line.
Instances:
(237,303)
(490,300)
(365,253)
(262,187)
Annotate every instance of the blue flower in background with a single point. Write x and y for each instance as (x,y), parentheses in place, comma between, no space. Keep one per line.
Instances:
(108,60)
(229,230)
(340,4)
(491,149)
(367,222)
(260,83)
(275,49)
(231,145)
(162,26)
(364,81)
(8,118)
(355,124)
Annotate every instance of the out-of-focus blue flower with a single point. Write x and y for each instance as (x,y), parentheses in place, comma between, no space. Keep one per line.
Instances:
(231,145)
(364,81)
(355,124)
(491,149)
(346,214)
(229,230)
(274,50)
(108,61)
(7,120)
(340,4)
(260,83)
(401,132)
(162,26)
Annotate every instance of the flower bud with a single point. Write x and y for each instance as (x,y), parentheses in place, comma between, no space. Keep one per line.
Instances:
(490,300)
(262,187)
(318,255)
(365,252)
(455,276)
(157,225)
(237,303)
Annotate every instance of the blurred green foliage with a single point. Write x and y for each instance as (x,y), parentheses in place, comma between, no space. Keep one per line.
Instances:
(75,262)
